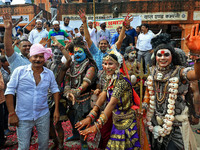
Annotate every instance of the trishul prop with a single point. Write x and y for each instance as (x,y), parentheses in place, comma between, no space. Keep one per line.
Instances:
(141,75)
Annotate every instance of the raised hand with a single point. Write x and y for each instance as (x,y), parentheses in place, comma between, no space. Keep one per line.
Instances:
(127,20)
(193,40)
(56,43)
(44,41)
(81,13)
(7,19)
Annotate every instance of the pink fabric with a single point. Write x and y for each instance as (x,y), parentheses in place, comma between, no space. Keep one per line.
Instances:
(38,49)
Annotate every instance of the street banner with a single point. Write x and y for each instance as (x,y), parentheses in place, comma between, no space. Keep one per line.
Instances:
(111,24)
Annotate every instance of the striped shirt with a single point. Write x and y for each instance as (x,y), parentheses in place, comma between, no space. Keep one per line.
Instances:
(60,35)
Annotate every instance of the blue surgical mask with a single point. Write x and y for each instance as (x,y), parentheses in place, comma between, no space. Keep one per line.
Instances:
(79,54)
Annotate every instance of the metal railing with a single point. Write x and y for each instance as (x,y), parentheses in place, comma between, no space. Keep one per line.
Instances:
(33,19)
(53,18)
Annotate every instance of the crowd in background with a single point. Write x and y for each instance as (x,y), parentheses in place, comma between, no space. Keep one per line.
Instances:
(15,48)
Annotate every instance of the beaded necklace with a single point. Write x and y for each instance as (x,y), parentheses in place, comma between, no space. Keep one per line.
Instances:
(170,106)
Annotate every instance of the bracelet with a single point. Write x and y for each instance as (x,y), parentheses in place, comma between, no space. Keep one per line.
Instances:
(102,119)
(97,106)
(92,115)
(185,71)
(106,117)
(80,88)
(87,80)
(11,114)
(61,47)
(96,126)
(100,123)
(124,24)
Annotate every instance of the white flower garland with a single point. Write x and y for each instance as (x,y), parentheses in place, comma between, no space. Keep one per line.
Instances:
(169,117)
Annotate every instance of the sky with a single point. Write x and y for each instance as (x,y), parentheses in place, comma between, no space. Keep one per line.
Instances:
(16,2)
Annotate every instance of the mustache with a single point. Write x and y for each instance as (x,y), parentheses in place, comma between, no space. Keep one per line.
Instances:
(37,62)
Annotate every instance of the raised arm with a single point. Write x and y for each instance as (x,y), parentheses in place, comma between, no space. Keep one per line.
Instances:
(61,75)
(86,32)
(17,22)
(193,43)
(128,19)
(8,34)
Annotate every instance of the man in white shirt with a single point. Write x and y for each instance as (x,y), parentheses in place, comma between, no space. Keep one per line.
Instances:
(37,34)
(93,32)
(144,45)
(67,28)
(32,83)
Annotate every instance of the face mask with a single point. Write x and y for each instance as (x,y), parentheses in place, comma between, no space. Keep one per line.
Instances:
(79,54)
(132,55)
(103,26)
(57,56)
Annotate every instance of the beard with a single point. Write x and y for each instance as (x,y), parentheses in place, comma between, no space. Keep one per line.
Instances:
(56,29)
(40,28)
(66,24)
(103,26)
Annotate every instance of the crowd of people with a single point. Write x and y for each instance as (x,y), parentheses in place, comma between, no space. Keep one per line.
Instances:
(57,73)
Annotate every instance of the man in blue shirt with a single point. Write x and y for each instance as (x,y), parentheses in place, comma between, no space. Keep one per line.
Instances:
(32,83)
(15,60)
(99,53)
(132,32)
(115,36)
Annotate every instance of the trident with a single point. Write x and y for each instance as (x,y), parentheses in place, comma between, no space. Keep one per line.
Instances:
(141,75)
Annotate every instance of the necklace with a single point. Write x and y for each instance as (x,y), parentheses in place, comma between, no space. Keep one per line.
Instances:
(160,101)
(168,74)
(169,117)
(76,70)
